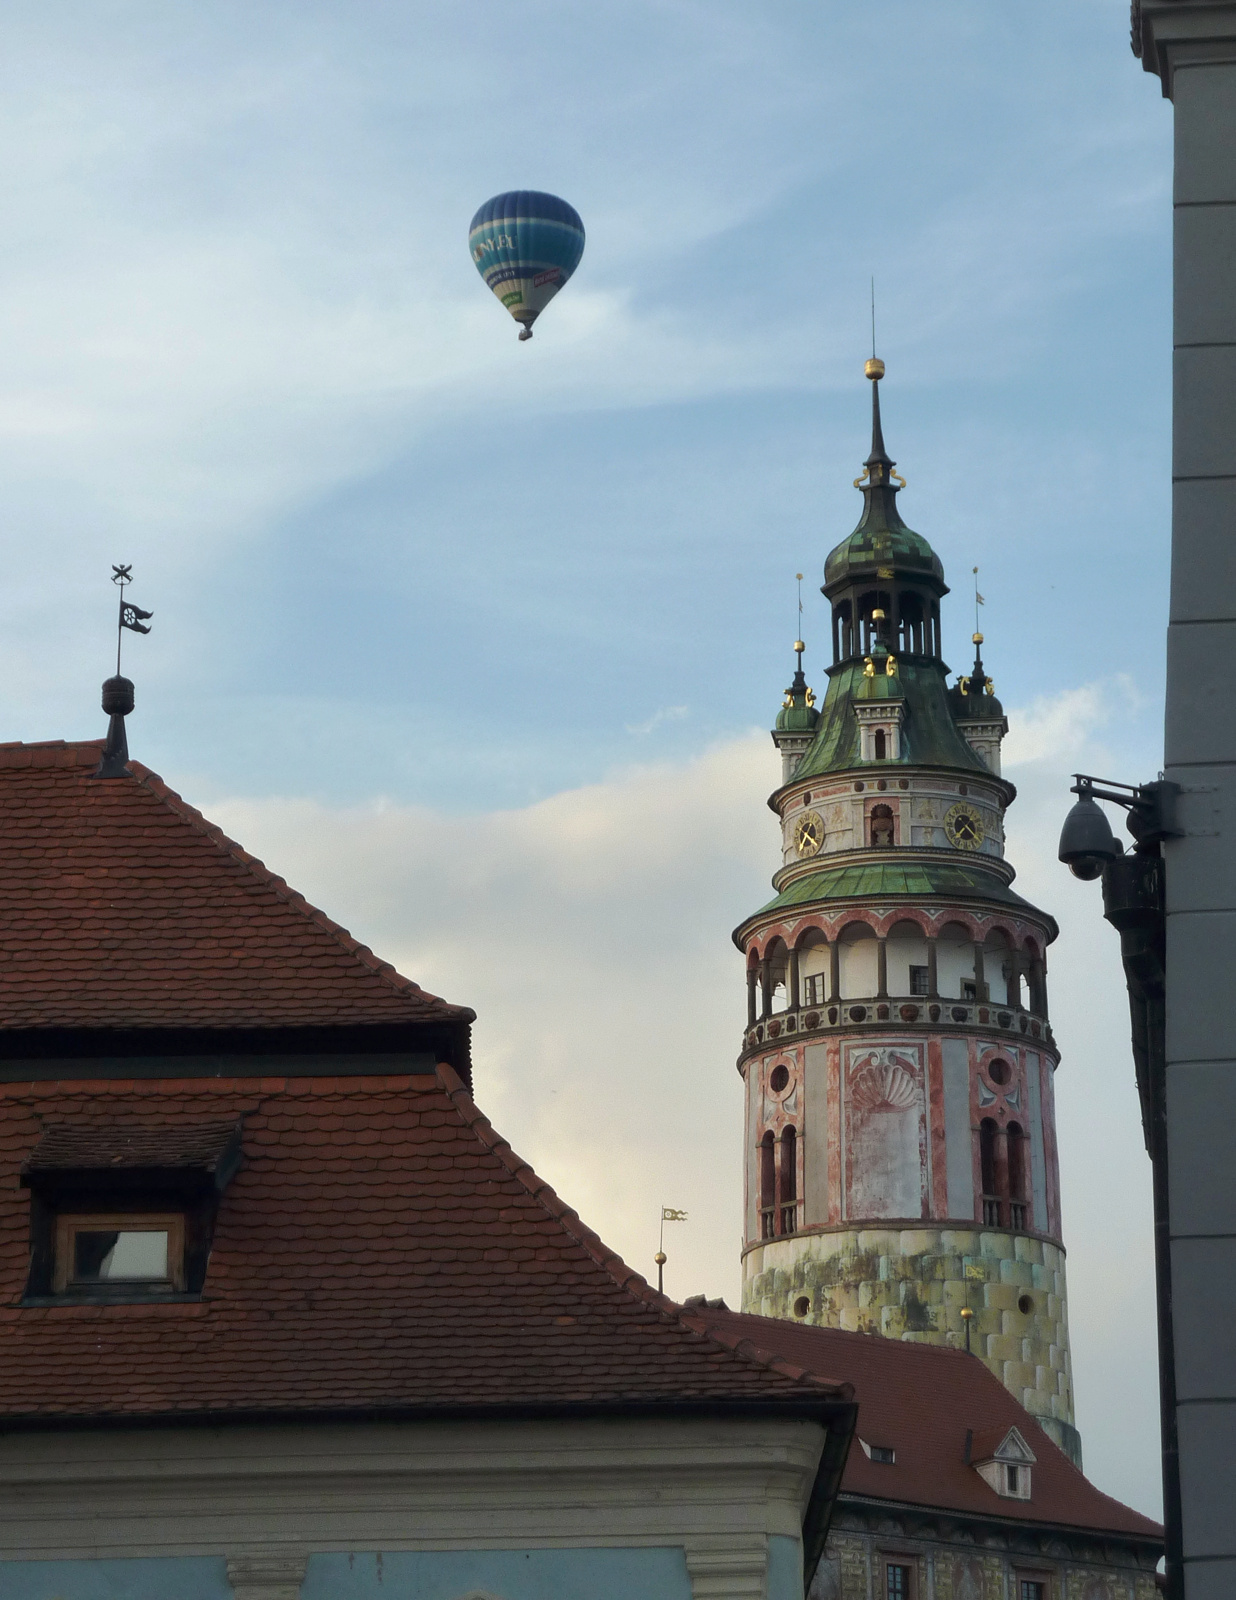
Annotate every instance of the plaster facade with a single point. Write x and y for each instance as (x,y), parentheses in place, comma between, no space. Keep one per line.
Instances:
(1191,47)
(703,1509)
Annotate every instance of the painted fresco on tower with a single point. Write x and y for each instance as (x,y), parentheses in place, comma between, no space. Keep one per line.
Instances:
(886,1130)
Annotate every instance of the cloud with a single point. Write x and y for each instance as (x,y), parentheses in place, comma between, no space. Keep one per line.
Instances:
(591,933)
(665,714)
(1056,727)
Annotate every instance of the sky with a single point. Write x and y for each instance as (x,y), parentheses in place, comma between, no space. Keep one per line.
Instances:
(478,642)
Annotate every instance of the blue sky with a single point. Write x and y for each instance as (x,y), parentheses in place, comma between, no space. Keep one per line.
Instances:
(469,636)
(247,351)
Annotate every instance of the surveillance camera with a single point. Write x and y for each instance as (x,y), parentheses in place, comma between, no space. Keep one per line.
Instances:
(1087,842)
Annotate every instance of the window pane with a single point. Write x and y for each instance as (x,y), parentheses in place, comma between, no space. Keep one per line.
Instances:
(119,1255)
(898,1583)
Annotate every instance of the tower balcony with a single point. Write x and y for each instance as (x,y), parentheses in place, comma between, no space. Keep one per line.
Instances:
(936,1014)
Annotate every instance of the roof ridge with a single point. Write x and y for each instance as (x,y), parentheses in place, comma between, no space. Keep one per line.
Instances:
(283,891)
(624,1276)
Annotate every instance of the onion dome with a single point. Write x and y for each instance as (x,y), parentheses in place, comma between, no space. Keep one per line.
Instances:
(973,699)
(882,547)
(799,712)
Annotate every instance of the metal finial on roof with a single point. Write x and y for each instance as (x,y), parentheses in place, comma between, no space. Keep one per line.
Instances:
(118,692)
(978,678)
(874,369)
(668,1214)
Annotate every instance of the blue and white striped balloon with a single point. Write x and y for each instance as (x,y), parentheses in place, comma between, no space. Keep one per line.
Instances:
(526,245)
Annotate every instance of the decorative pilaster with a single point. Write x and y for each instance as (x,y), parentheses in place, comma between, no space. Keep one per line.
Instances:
(267,1577)
(728,1567)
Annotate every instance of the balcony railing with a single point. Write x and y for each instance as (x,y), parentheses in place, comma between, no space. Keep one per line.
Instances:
(813,1016)
(776,1222)
(995,1211)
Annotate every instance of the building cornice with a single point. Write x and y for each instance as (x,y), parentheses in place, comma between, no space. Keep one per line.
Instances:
(1171,34)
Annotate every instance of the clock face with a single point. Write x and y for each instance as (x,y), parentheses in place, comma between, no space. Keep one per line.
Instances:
(809,833)
(964,827)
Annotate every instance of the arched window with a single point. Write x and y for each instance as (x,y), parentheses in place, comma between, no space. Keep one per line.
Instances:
(768,1185)
(881,745)
(1018,1195)
(910,630)
(881,828)
(858,961)
(788,1219)
(987,1162)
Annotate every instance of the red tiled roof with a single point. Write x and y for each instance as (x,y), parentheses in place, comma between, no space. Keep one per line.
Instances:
(108,1147)
(122,907)
(380,1248)
(922,1399)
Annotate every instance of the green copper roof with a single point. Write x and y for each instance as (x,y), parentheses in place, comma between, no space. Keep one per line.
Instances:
(929,736)
(798,717)
(881,540)
(878,879)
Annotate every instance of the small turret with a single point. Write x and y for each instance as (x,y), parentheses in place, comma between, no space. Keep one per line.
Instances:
(979,715)
(796,721)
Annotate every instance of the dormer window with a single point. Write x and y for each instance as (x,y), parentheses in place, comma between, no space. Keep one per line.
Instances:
(109,1250)
(1003,1459)
(125,1212)
(879,729)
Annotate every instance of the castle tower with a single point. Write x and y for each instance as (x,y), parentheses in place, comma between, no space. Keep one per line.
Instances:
(898,1060)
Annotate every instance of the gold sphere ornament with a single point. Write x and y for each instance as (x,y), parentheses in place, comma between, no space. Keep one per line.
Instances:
(874,368)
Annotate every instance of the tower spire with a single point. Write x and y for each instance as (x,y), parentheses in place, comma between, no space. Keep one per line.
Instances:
(879,456)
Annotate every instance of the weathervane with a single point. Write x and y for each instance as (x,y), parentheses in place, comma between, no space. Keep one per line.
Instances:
(131,616)
(668,1214)
(118,691)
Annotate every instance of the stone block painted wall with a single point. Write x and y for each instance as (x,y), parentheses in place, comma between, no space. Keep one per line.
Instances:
(960,1568)
(911,1283)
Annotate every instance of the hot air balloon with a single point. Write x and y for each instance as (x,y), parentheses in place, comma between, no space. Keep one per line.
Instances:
(525,246)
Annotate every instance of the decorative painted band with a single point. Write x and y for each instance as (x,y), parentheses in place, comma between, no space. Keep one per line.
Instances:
(937,1015)
(882,1225)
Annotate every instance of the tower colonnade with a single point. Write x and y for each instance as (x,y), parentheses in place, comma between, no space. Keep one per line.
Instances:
(902,1174)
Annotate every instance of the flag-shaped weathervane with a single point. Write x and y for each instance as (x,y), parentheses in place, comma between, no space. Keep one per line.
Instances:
(118,691)
(131,616)
(668,1214)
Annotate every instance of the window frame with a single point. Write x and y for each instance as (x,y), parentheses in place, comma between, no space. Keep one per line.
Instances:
(1042,1578)
(70,1223)
(908,1564)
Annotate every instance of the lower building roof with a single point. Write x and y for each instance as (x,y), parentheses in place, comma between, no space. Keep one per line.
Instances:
(927,1403)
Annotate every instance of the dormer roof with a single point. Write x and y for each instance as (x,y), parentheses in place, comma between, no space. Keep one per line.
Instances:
(1004,1444)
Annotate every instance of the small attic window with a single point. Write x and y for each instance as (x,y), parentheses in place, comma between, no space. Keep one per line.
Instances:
(883,1454)
(125,1212)
(134,1250)
(1003,1460)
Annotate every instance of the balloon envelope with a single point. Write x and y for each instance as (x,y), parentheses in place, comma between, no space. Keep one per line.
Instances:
(526,245)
